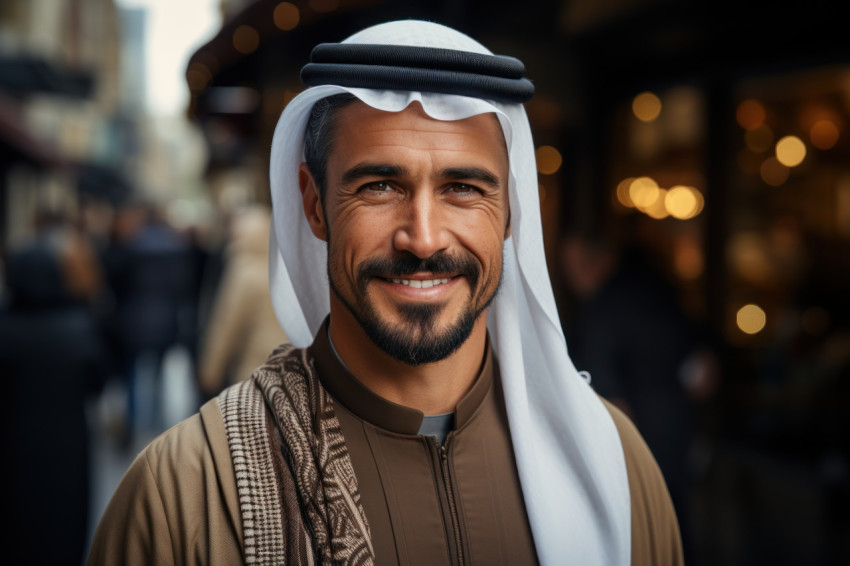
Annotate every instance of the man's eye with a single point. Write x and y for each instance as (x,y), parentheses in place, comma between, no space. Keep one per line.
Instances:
(462,189)
(378,187)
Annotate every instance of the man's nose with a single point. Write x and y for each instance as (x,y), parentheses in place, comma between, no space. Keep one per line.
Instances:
(421,229)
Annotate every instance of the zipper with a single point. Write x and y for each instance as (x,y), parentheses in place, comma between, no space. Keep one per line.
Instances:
(447,479)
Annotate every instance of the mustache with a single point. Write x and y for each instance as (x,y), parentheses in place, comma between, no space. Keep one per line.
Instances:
(408,264)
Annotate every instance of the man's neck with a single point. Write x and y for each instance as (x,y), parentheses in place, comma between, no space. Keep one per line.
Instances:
(433,388)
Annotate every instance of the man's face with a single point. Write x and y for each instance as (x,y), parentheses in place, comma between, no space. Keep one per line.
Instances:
(416,212)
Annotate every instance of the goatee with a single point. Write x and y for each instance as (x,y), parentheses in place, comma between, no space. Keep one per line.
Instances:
(417,340)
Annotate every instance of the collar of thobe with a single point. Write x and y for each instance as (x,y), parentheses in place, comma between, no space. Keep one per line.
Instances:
(360,400)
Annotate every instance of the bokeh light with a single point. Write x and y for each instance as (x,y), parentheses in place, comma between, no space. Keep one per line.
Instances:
(773,172)
(643,191)
(751,319)
(646,106)
(688,260)
(548,159)
(750,114)
(683,202)
(748,256)
(824,134)
(246,39)
(623,192)
(286,16)
(656,208)
(790,151)
(759,139)
(198,76)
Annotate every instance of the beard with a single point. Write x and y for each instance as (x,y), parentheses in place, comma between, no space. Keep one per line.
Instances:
(416,340)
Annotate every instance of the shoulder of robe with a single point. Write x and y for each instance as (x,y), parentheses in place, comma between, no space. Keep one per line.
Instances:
(190,444)
(177,503)
(655,528)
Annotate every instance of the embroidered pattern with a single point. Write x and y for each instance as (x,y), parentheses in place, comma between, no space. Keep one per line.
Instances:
(244,414)
(329,513)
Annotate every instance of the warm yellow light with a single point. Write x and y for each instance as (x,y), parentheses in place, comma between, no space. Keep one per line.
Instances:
(750,114)
(548,159)
(773,172)
(700,200)
(759,139)
(682,202)
(657,210)
(751,319)
(246,39)
(286,16)
(824,134)
(324,5)
(749,258)
(646,106)
(623,192)
(790,151)
(643,191)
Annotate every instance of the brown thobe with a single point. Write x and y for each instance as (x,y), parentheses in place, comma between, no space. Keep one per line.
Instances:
(455,503)
(177,504)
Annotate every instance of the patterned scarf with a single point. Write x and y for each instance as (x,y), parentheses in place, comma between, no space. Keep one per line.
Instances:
(298,494)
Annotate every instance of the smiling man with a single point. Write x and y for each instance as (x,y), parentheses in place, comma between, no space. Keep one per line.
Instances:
(427,411)
(419,212)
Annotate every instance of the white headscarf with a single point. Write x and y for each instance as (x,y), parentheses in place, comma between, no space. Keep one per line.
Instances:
(568,452)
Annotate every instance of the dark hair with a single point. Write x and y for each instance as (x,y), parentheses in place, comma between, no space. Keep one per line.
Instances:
(319,135)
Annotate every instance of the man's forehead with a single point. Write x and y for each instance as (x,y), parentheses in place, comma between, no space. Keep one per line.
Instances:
(360,117)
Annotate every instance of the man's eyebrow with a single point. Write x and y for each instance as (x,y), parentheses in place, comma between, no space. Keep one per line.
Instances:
(471,174)
(362,170)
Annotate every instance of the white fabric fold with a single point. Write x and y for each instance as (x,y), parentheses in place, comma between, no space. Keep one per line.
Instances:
(568,452)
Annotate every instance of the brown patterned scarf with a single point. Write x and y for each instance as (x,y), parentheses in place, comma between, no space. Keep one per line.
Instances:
(298,495)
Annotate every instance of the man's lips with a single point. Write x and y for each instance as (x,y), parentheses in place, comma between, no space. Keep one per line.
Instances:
(418,278)
(419,282)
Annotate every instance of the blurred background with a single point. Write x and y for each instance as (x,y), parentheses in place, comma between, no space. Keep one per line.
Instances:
(694,175)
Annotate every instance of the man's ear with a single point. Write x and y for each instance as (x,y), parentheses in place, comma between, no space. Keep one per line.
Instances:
(312,203)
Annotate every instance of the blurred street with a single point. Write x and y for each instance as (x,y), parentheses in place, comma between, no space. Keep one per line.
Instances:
(110,458)
(695,207)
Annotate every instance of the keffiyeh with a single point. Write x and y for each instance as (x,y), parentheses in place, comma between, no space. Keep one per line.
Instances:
(568,452)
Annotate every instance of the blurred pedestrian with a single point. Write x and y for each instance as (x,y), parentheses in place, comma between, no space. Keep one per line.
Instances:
(627,330)
(152,274)
(51,361)
(242,328)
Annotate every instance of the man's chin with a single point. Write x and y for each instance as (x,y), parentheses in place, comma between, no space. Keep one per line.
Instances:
(420,342)
(414,334)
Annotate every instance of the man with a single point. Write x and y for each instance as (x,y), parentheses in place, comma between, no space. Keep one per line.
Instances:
(436,418)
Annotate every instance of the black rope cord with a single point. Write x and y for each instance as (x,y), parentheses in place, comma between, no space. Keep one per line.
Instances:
(425,69)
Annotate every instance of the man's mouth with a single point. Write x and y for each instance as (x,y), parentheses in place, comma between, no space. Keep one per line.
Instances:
(420,283)
(418,273)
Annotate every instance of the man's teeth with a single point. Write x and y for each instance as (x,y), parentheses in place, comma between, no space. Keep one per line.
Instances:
(419,284)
